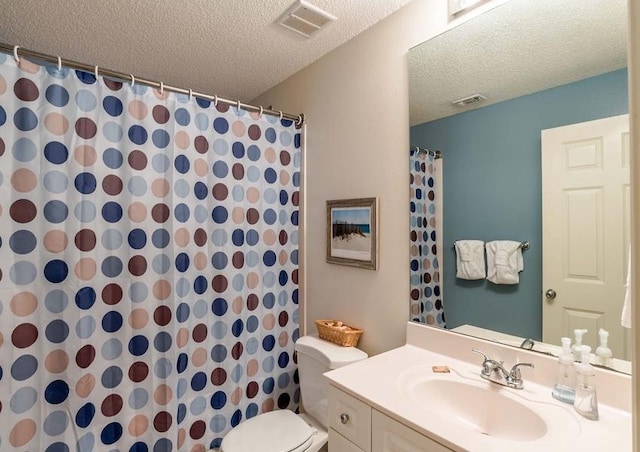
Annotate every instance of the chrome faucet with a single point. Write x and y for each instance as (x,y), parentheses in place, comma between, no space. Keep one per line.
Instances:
(495,372)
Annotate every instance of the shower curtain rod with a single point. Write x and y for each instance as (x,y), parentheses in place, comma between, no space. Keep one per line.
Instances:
(436,154)
(19,51)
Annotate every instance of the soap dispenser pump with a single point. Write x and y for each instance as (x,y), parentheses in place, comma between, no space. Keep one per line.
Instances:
(586,402)
(564,389)
(603,353)
(575,348)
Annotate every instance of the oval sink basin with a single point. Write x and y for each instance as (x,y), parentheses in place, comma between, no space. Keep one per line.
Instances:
(482,409)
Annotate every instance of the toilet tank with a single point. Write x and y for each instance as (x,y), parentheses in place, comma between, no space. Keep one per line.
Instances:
(315,357)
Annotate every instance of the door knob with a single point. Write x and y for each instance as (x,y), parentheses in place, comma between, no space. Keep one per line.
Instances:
(344,418)
(550,294)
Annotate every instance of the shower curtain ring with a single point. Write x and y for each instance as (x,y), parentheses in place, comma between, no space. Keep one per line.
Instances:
(15,53)
(190,93)
(238,104)
(299,121)
(215,100)
(280,115)
(161,88)
(95,71)
(261,111)
(59,64)
(133,80)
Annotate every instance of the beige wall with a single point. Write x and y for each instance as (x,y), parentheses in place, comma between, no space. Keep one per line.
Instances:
(634,111)
(355,100)
(356,108)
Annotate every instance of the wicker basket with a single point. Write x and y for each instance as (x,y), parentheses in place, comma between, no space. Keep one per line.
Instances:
(338,333)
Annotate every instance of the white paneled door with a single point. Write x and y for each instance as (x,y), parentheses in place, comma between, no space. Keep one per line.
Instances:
(585,230)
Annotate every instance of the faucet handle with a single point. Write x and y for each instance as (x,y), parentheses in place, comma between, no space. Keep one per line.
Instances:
(515,370)
(486,358)
(486,362)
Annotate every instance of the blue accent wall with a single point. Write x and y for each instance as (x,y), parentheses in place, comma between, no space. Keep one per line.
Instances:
(492,191)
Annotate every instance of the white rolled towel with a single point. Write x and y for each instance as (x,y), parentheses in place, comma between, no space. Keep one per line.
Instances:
(470,259)
(504,261)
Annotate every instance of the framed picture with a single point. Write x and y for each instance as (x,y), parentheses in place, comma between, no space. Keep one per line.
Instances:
(352,232)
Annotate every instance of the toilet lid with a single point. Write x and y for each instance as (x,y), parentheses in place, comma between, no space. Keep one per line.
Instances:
(275,431)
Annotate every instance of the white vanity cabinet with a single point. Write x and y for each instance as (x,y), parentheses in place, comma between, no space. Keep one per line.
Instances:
(338,443)
(356,427)
(389,435)
(350,419)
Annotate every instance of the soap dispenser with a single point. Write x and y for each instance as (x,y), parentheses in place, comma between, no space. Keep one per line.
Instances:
(575,348)
(564,389)
(586,402)
(603,353)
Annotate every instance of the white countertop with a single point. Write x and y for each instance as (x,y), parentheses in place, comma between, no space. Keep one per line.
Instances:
(376,382)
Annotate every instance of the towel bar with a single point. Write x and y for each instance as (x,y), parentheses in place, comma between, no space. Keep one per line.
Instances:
(524,245)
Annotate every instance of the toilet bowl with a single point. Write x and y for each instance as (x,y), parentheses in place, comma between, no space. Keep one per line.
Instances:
(283,430)
(280,430)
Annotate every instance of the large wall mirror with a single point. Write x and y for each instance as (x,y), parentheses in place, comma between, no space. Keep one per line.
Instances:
(538,65)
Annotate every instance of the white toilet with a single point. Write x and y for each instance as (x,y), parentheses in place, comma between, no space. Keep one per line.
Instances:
(283,430)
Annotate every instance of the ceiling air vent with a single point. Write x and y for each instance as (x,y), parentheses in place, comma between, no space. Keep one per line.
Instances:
(469,100)
(305,18)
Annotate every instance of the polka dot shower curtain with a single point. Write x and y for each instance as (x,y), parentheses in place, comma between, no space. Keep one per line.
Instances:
(148,261)
(426,301)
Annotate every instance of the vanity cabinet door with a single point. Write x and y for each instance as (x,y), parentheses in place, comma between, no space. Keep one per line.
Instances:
(350,417)
(389,435)
(338,443)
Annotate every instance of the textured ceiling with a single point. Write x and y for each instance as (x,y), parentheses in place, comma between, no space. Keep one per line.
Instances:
(231,48)
(516,49)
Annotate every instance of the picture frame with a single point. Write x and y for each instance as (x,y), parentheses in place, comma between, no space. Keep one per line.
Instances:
(352,232)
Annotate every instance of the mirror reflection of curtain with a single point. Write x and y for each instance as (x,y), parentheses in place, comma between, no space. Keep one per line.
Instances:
(426,300)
